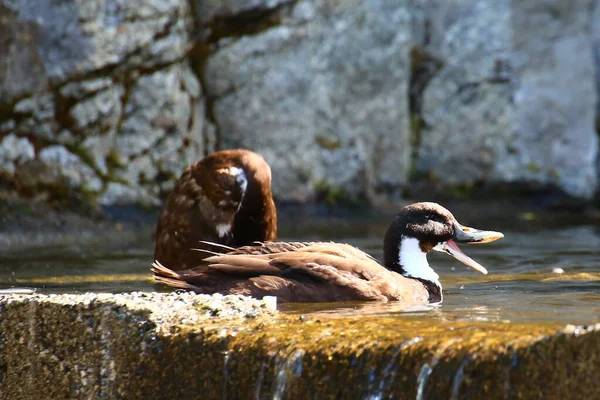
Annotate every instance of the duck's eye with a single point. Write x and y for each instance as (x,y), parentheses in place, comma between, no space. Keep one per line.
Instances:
(429,216)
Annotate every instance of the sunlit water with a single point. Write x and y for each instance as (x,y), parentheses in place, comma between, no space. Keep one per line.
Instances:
(522,284)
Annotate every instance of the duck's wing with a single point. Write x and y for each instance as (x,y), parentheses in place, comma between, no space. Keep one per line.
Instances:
(298,272)
(339,249)
(270,247)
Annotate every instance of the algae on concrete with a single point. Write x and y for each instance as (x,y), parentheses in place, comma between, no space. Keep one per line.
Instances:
(153,345)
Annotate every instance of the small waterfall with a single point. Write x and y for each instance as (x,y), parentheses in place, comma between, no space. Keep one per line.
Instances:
(260,379)
(108,372)
(288,368)
(514,363)
(32,319)
(86,380)
(225,374)
(428,368)
(388,374)
(458,378)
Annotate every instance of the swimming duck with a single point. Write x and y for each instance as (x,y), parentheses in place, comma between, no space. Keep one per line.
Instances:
(225,198)
(319,272)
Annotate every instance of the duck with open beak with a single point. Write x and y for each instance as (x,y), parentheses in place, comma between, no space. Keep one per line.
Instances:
(326,271)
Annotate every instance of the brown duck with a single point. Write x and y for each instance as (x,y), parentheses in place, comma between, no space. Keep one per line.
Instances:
(225,198)
(311,272)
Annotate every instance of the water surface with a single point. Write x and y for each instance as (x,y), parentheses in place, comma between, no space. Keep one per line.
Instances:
(522,284)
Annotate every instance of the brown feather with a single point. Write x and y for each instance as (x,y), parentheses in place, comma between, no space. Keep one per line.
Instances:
(320,271)
(207,196)
(300,271)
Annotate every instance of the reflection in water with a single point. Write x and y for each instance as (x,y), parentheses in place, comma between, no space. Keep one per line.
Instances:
(521,286)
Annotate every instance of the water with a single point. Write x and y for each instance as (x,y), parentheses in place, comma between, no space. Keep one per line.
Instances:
(521,285)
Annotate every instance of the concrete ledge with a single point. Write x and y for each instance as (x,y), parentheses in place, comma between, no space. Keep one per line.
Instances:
(156,345)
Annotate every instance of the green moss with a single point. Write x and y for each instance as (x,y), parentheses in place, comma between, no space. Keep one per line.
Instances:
(86,158)
(251,22)
(462,190)
(327,142)
(528,216)
(113,160)
(533,167)
(413,171)
(333,195)
(432,177)
(416,124)
(20,209)
(47,345)
(113,163)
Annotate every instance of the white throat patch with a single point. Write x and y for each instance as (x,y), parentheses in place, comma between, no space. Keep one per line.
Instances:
(414,261)
(223,229)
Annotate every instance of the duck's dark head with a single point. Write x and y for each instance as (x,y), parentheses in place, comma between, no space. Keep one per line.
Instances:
(238,184)
(224,198)
(421,227)
(256,219)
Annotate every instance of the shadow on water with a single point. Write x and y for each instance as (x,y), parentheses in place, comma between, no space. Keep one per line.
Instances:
(550,275)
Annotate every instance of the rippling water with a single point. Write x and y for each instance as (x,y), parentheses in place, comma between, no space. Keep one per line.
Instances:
(522,284)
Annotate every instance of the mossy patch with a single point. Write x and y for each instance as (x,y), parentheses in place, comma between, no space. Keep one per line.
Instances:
(534,168)
(329,194)
(328,142)
(182,351)
(462,190)
(416,123)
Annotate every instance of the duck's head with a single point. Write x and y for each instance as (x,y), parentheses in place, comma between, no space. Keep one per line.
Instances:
(238,185)
(421,227)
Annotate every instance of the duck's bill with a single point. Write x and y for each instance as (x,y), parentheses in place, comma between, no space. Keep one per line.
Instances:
(464,234)
(451,248)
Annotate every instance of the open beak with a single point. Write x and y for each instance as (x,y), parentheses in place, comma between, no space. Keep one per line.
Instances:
(464,234)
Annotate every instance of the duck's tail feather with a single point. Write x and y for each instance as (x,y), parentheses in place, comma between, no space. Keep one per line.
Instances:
(171,278)
(222,246)
(160,270)
(212,253)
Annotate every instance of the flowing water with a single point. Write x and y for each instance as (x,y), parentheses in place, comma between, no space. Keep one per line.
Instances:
(548,275)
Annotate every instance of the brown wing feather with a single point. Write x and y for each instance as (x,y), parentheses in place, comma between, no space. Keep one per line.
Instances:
(270,247)
(292,271)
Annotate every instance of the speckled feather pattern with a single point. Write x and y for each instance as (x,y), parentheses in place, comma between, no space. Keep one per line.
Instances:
(224,198)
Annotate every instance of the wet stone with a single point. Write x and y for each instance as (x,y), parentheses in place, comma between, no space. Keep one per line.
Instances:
(181,345)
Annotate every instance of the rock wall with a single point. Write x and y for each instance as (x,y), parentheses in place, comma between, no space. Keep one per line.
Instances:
(97,98)
(515,99)
(108,100)
(322,96)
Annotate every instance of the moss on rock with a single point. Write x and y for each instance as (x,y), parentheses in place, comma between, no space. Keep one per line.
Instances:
(172,346)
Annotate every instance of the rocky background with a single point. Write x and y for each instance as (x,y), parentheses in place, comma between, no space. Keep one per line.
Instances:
(107,101)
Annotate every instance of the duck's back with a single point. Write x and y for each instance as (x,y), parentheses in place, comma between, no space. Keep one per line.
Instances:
(298,272)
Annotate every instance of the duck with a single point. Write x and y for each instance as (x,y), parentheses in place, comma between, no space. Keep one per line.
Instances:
(330,272)
(223,199)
